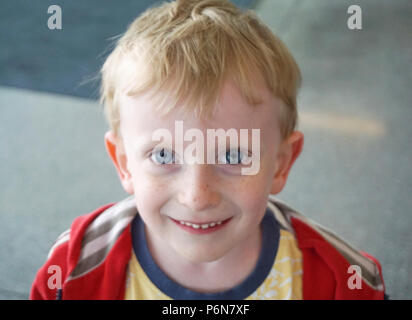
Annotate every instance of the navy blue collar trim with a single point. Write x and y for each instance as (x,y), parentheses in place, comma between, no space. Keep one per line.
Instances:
(270,243)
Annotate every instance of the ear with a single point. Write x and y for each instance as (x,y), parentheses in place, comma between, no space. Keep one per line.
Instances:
(116,151)
(288,152)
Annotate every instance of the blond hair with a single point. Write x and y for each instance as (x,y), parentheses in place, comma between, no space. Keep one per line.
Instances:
(188,48)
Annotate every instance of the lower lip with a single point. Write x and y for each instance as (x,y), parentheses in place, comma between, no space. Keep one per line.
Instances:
(200,230)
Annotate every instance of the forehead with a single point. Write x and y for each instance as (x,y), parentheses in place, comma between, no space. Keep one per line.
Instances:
(138,115)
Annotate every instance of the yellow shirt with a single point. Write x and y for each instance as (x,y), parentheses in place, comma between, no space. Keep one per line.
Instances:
(284,281)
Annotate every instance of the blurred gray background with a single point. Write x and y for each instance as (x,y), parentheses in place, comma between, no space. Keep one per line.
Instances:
(354,175)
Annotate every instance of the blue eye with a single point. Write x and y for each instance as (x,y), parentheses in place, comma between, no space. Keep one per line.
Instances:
(234,156)
(163,156)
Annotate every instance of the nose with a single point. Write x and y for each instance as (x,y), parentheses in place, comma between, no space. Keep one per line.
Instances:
(197,192)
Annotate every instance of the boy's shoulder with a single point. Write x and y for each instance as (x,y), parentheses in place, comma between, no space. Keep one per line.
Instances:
(356,273)
(97,230)
(84,248)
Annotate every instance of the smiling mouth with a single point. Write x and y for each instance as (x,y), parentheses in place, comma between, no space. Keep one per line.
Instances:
(201,227)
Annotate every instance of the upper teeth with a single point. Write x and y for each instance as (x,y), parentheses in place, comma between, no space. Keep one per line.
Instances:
(203,226)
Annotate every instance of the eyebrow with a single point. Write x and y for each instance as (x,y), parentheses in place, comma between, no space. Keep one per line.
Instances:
(144,143)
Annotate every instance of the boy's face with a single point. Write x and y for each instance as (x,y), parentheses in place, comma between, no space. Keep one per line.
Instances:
(169,195)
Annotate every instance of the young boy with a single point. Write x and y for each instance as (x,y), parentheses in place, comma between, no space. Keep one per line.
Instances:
(186,72)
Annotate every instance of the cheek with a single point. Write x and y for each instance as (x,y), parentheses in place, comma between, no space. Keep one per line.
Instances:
(150,194)
(251,193)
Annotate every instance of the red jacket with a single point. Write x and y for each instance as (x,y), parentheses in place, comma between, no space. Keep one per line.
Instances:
(91,258)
